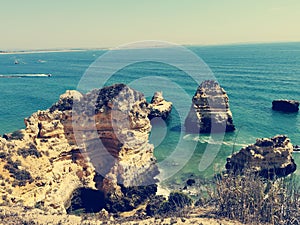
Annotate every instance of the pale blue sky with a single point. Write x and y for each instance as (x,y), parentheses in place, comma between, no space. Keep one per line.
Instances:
(36,24)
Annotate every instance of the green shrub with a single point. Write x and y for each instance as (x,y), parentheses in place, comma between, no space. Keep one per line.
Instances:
(30,151)
(21,176)
(155,205)
(179,200)
(17,135)
(176,202)
(3,155)
(39,205)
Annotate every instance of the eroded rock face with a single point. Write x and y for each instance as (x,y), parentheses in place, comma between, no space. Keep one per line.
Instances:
(159,107)
(102,144)
(285,105)
(269,157)
(210,111)
(116,142)
(40,169)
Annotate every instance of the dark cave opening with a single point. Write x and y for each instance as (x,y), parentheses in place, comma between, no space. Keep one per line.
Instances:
(86,200)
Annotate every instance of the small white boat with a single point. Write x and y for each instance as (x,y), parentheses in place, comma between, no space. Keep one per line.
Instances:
(16,61)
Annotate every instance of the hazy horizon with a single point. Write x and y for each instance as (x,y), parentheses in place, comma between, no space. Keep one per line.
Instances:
(112,47)
(34,24)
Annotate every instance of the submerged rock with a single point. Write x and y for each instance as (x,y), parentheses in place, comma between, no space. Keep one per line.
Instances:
(210,111)
(269,157)
(159,107)
(285,105)
(94,141)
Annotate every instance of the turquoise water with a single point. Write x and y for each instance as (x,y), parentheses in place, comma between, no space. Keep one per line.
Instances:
(252,75)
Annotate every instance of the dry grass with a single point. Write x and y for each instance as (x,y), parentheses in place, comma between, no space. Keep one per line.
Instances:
(251,199)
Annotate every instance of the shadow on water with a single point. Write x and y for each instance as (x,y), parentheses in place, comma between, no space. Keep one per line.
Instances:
(285,123)
(176,129)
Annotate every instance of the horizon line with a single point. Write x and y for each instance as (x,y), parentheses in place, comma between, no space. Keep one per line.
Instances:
(60,49)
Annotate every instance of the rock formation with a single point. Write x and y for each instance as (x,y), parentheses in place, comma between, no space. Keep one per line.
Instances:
(116,141)
(210,111)
(285,105)
(102,145)
(269,157)
(159,107)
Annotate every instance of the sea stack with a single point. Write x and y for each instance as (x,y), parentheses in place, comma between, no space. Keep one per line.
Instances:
(159,107)
(284,105)
(100,148)
(268,157)
(210,112)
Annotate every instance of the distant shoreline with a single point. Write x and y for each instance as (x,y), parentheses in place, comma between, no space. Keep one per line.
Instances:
(43,51)
(11,52)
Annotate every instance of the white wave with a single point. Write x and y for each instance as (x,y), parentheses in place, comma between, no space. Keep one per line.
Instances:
(231,143)
(201,139)
(25,75)
(191,137)
(209,140)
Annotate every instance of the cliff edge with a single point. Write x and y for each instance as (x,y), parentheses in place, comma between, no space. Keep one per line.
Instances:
(102,146)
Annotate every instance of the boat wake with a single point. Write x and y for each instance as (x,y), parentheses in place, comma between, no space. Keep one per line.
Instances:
(25,75)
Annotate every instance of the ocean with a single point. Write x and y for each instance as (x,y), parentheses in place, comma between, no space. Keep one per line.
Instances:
(252,74)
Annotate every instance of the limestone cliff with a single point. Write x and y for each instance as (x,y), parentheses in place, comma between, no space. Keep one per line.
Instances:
(159,107)
(269,157)
(39,167)
(210,111)
(102,144)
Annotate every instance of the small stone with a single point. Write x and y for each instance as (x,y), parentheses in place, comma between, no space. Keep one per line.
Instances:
(103,213)
(190,182)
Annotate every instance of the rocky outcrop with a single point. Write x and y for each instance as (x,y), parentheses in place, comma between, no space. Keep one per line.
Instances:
(210,111)
(159,107)
(96,141)
(269,157)
(41,168)
(123,158)
(285,105)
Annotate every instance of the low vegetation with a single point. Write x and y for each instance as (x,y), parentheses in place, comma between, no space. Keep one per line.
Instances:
(247,198)
(30,151)
(21,176)
(251,199)
(176,204)
(16,135)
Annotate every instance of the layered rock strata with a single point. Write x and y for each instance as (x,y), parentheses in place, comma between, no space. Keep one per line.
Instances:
(210,112)
(97,140)
(268,157)
(40,168)
(116,141)
(285,105)
(159,107)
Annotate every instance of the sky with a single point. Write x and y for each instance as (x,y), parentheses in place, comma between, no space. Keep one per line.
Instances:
(45,24)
